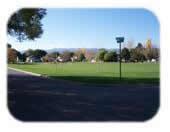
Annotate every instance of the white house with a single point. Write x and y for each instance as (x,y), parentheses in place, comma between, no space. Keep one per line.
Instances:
(153,60)
(93,61)
(74,58)
(59,59)
(32,59)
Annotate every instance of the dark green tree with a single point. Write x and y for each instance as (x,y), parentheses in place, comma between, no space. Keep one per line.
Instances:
(133,55)
(39,53)
(23,57)
(54,54)
(139,46)
(72,54)
(19,55)
(152,54)
(25,24)
(110,56)
(137,55)
(28,53)
(125,54)
(81,57)
(9,45)
(101,53)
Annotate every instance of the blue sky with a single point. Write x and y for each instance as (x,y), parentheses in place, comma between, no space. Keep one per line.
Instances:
(93,28)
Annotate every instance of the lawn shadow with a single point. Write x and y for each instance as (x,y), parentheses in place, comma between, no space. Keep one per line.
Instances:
(32,98)
(108,80)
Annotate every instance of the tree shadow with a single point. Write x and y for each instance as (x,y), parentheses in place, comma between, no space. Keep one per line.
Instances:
(33,98)
(108,80)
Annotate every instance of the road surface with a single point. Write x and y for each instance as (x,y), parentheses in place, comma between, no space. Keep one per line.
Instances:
(32,98)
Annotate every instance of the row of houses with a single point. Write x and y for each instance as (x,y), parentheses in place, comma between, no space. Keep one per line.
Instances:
(32,59)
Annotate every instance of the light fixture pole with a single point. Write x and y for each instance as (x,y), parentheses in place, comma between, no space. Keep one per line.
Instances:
(120,40)
(120,61)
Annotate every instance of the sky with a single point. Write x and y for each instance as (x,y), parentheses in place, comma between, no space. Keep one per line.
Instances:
(92,28)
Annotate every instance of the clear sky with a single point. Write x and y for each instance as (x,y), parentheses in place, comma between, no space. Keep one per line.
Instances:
(93,28)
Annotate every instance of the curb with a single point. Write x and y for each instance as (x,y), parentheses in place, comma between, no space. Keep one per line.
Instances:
(30,73)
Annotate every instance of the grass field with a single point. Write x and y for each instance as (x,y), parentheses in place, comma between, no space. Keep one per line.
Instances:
(96,73)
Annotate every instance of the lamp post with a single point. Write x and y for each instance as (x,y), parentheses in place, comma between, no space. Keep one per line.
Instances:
(120,40)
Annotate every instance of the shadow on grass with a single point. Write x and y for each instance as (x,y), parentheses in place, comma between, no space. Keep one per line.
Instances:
(32,98)
(25,63)
(108,80)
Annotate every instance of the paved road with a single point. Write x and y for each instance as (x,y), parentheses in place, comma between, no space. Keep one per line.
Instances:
(32,98)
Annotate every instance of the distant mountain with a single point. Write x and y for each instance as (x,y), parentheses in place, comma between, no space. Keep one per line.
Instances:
(61,50)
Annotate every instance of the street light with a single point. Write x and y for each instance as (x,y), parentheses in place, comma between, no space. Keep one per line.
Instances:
(120,40)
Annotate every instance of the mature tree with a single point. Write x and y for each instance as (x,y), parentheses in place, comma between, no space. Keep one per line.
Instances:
(19,55)
(12,55)
(152,53)
(101,53)
(28,53)
(141,57)
(81,57)
(39,53)
(115,57)
(54,54)
(139,46)
(25,24)
(80,54)
(23,57)
(9,45)
(51,57)
(137,55)
(125,54)
(48,58)
(133,55)
(90,55)
(110,56)
(156,53)
(107,57)
(66,56)
(72,54)
(148,44)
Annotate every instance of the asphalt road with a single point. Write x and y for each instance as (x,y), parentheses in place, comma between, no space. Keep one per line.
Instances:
(32,98)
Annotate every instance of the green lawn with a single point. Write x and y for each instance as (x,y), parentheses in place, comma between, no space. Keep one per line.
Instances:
(96,73)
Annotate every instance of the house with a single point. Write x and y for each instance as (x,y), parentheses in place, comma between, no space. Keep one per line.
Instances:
(59,59)
(18,60)
(153,60)
(74,58)
(93,61)
(32,59)
(51,59)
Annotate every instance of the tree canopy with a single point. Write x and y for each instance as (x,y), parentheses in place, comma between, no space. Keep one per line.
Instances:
(110,56)
(125,54)
(9,45)
(25,24)
(39,53)
(66,56)
(139,46)
(101,53)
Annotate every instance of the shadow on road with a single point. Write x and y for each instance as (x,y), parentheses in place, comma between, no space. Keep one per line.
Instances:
(108,80)
(33,98)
